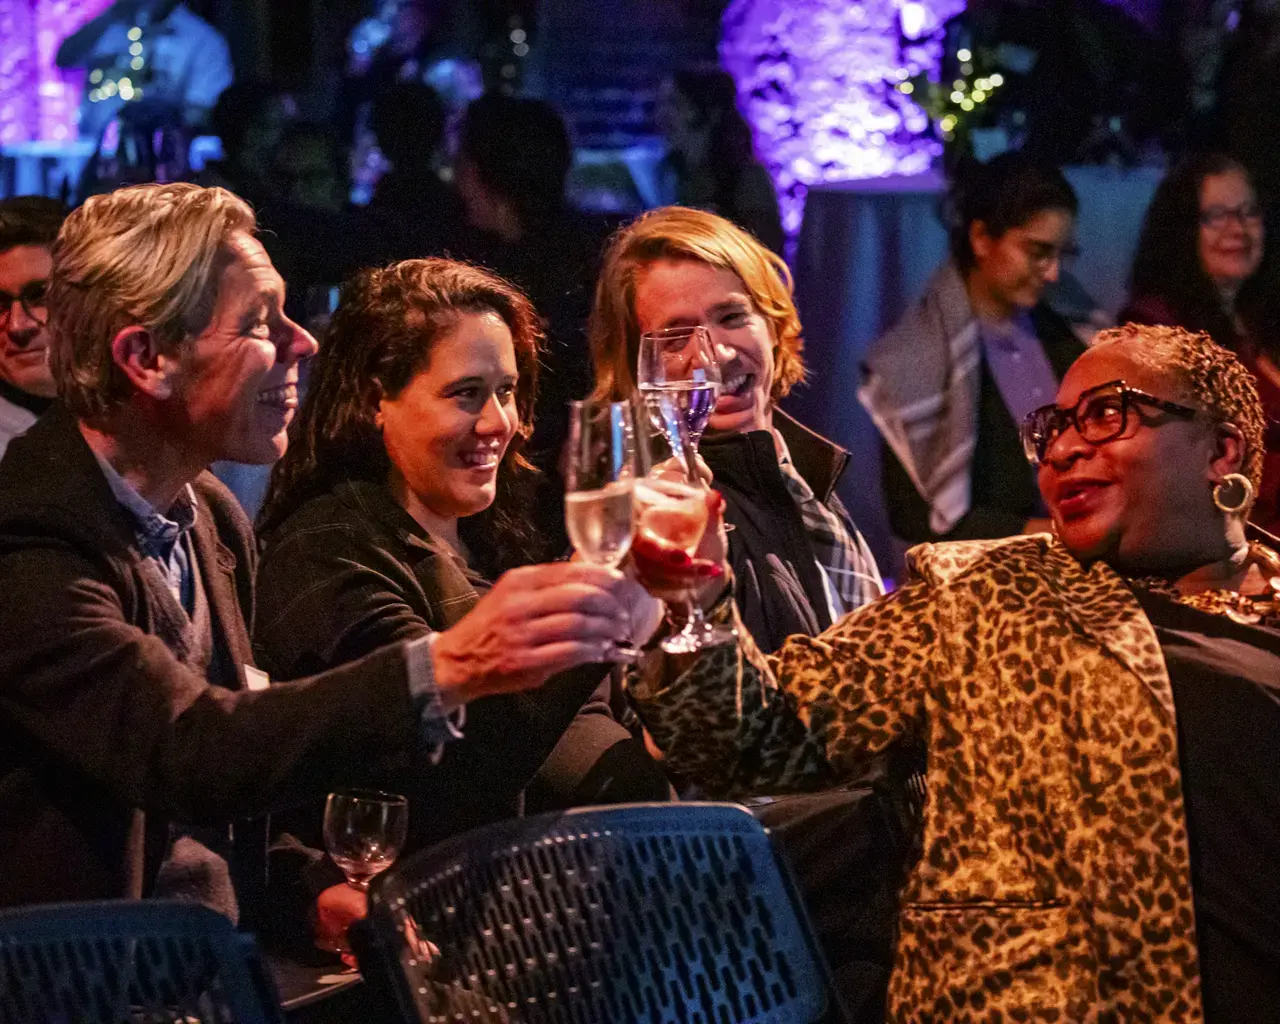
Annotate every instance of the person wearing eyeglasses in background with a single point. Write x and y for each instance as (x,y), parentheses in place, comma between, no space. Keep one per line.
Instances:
(28,226)
(949,383)
(1202,263)
(1100,710)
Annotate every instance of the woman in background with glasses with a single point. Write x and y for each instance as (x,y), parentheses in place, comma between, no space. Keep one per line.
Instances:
(949,384)
(799,562)
(1202,264)
(1100,711)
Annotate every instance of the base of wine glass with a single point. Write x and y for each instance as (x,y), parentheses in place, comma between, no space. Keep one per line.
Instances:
(695,636)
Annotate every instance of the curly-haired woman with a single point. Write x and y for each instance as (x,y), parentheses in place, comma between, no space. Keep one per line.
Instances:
(1099,709)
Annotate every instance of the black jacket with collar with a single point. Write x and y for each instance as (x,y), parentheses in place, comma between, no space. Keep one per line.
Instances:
(349,571)
(778,584)
(105,736)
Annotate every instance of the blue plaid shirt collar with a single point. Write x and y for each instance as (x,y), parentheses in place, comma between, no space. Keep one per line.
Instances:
(157,534)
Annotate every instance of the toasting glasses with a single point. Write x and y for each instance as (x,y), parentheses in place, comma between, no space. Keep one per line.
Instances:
(681,362)
(670,510)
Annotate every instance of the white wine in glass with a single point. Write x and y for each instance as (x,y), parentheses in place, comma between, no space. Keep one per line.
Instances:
(600,480)
(680,362)
(671,511)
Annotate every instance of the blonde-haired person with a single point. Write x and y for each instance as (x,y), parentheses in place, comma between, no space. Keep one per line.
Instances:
(799,561)
(1100,711)
(128,695)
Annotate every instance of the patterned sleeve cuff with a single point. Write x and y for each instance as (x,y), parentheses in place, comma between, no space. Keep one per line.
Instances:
(436,727)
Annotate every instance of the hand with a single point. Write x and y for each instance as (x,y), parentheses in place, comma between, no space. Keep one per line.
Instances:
(336,908)
(536,621)
(668,571)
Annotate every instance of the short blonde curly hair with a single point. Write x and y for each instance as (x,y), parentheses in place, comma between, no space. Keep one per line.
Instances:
(1210,377)
(680,233)
(149,255)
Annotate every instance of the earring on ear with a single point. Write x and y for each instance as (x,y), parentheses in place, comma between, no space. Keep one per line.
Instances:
(1226,489)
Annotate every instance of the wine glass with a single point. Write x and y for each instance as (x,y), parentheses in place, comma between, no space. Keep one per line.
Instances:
(670,511)
(600,477)
(364,831)
(681,362)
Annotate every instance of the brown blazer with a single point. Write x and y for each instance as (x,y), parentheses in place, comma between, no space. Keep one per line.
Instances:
(1055,879)
(105,737)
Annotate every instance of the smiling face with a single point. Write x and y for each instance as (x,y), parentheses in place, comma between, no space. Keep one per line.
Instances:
(448,429)
(236,386)
(1230,251)
(1142,501)
(24,340)
(681,293)
(1014,268)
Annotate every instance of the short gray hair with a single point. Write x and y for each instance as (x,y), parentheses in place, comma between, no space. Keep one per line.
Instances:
(148,255)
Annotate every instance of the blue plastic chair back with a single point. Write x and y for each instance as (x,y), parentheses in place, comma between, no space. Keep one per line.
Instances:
(130,962)
(646,912)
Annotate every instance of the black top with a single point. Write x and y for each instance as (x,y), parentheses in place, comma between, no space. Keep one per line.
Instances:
(34,404)
(1226,688)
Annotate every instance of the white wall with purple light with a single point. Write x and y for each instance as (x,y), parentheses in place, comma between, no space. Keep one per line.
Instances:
(816,78)
(38,103)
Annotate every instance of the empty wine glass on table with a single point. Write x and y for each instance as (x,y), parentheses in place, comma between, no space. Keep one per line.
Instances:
(364,832)
(670,511)
(600,479)
(681,362)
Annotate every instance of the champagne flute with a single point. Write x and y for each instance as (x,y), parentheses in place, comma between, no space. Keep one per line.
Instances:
(681,362)
(364,831)
(600,479)
(670,515)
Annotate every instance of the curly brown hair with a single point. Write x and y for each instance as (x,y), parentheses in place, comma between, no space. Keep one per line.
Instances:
(679,233)
(1209,376)
(381,336)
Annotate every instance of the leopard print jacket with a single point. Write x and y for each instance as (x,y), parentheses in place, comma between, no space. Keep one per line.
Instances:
(1055,879)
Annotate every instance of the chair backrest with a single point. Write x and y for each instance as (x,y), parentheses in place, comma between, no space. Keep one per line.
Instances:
(643,912)
(130,962)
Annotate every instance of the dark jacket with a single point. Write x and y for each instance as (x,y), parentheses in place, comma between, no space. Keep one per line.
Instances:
(107,737)
(778,584)
(350,571)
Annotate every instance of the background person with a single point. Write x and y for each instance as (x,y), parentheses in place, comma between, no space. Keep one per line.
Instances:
(949,383)
(28,226)
(710,162)
(1202,263)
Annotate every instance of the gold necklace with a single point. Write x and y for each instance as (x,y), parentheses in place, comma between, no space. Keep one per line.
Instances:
(1250,610)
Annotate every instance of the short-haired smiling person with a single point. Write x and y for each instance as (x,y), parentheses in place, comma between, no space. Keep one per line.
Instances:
(128,699)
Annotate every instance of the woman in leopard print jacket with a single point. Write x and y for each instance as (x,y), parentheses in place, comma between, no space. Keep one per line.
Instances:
(1101,713)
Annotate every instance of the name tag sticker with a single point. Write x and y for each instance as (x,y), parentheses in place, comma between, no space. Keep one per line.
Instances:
(255,678)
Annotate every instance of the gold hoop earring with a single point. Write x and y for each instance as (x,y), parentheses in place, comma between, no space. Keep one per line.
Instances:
(1232,480)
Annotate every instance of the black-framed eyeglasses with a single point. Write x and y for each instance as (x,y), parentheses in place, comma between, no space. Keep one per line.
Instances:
(32,299)
(1216,218)
(1100,415)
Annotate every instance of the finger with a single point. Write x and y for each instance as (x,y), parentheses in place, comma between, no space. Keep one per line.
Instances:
(568,626)
(578,598)
(555,574)
(539,664)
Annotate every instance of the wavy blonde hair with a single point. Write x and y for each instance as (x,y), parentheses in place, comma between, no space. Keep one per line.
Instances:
(148,255)
(679,233)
